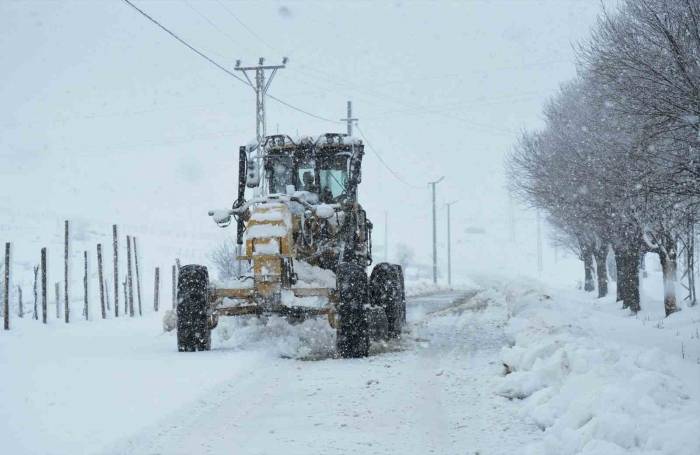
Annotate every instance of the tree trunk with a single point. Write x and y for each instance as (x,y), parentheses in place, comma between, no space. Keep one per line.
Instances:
(667,257)
(620,292)
(628,276)
(587,254)
(601,256)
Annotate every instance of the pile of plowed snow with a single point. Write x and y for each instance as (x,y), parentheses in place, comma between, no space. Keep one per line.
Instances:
(313,338)
(597,380)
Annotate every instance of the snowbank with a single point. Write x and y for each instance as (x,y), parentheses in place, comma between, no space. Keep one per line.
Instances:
(598,381)
(426,287)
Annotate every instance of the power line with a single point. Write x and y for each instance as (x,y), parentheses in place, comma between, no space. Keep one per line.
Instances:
(248,29)
(203,16)
(381,160)
(334,80)
(298,109)
(222,68)
(182,41)
(219,66)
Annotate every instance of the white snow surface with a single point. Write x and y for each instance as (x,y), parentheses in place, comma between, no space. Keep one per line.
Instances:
(586,378)
(265,230)
(311,276)
(598,380)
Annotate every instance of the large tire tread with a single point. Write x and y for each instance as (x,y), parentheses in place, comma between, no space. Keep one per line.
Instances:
(193,329)
(352,327)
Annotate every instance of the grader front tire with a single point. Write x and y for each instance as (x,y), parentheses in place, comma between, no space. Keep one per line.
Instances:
(352,330)
(193,325)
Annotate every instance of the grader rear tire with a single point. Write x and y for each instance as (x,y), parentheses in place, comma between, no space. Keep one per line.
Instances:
(386,291)
(399,273)
(193,329)
(352,331)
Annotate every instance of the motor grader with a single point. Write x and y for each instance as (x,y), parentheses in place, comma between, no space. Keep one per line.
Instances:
(302,221)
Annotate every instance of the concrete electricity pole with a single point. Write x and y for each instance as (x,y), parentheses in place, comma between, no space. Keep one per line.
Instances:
(386,236)
(539,244)
(435,230)
(261,86)
(349,120)
(449,246)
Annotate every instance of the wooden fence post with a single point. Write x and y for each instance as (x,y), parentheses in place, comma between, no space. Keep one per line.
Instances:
(6,297)
(85,288)
(21,304)
(115,244)
(57,287)
(174,287)
(109,308)
(138,279)
(156,290)
(130,283)
(43,285)
(65,277)
(126,299)
(102,283)
(36,293)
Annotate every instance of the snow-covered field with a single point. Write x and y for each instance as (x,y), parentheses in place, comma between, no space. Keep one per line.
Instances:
(584,377)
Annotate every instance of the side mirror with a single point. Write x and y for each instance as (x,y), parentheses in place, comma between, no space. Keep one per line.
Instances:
(222,218)
(252,175)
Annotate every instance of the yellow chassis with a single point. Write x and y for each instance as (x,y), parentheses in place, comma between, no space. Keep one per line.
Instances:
(249,304)
(266,253)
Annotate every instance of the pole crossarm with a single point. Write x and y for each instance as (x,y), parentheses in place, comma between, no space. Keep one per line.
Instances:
(261,87)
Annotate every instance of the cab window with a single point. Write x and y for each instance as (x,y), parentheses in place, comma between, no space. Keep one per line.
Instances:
(333,175)
(279,171)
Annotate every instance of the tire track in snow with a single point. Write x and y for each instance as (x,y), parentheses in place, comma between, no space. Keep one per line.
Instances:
(434,396)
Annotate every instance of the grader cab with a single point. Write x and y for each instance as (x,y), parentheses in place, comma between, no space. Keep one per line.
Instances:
(306,244)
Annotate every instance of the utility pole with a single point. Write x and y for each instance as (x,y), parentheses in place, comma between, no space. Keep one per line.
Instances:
(435,230)
(539,244)
(386,236)
(349,120)
(449,246)
(261,86)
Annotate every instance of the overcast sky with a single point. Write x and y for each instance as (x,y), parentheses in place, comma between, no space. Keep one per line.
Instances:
(105,116)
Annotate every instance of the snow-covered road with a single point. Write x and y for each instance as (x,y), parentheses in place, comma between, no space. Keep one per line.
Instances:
(267,387)
(431,393)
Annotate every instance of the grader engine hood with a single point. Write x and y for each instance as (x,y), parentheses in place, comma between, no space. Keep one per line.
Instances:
(268,244)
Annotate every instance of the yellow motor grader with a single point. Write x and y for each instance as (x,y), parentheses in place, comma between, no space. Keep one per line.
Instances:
(306,243)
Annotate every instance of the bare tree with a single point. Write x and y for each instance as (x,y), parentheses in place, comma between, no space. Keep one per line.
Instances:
(224,259)
(404,255)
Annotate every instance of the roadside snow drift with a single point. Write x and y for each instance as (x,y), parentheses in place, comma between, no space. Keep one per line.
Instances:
(599,381)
